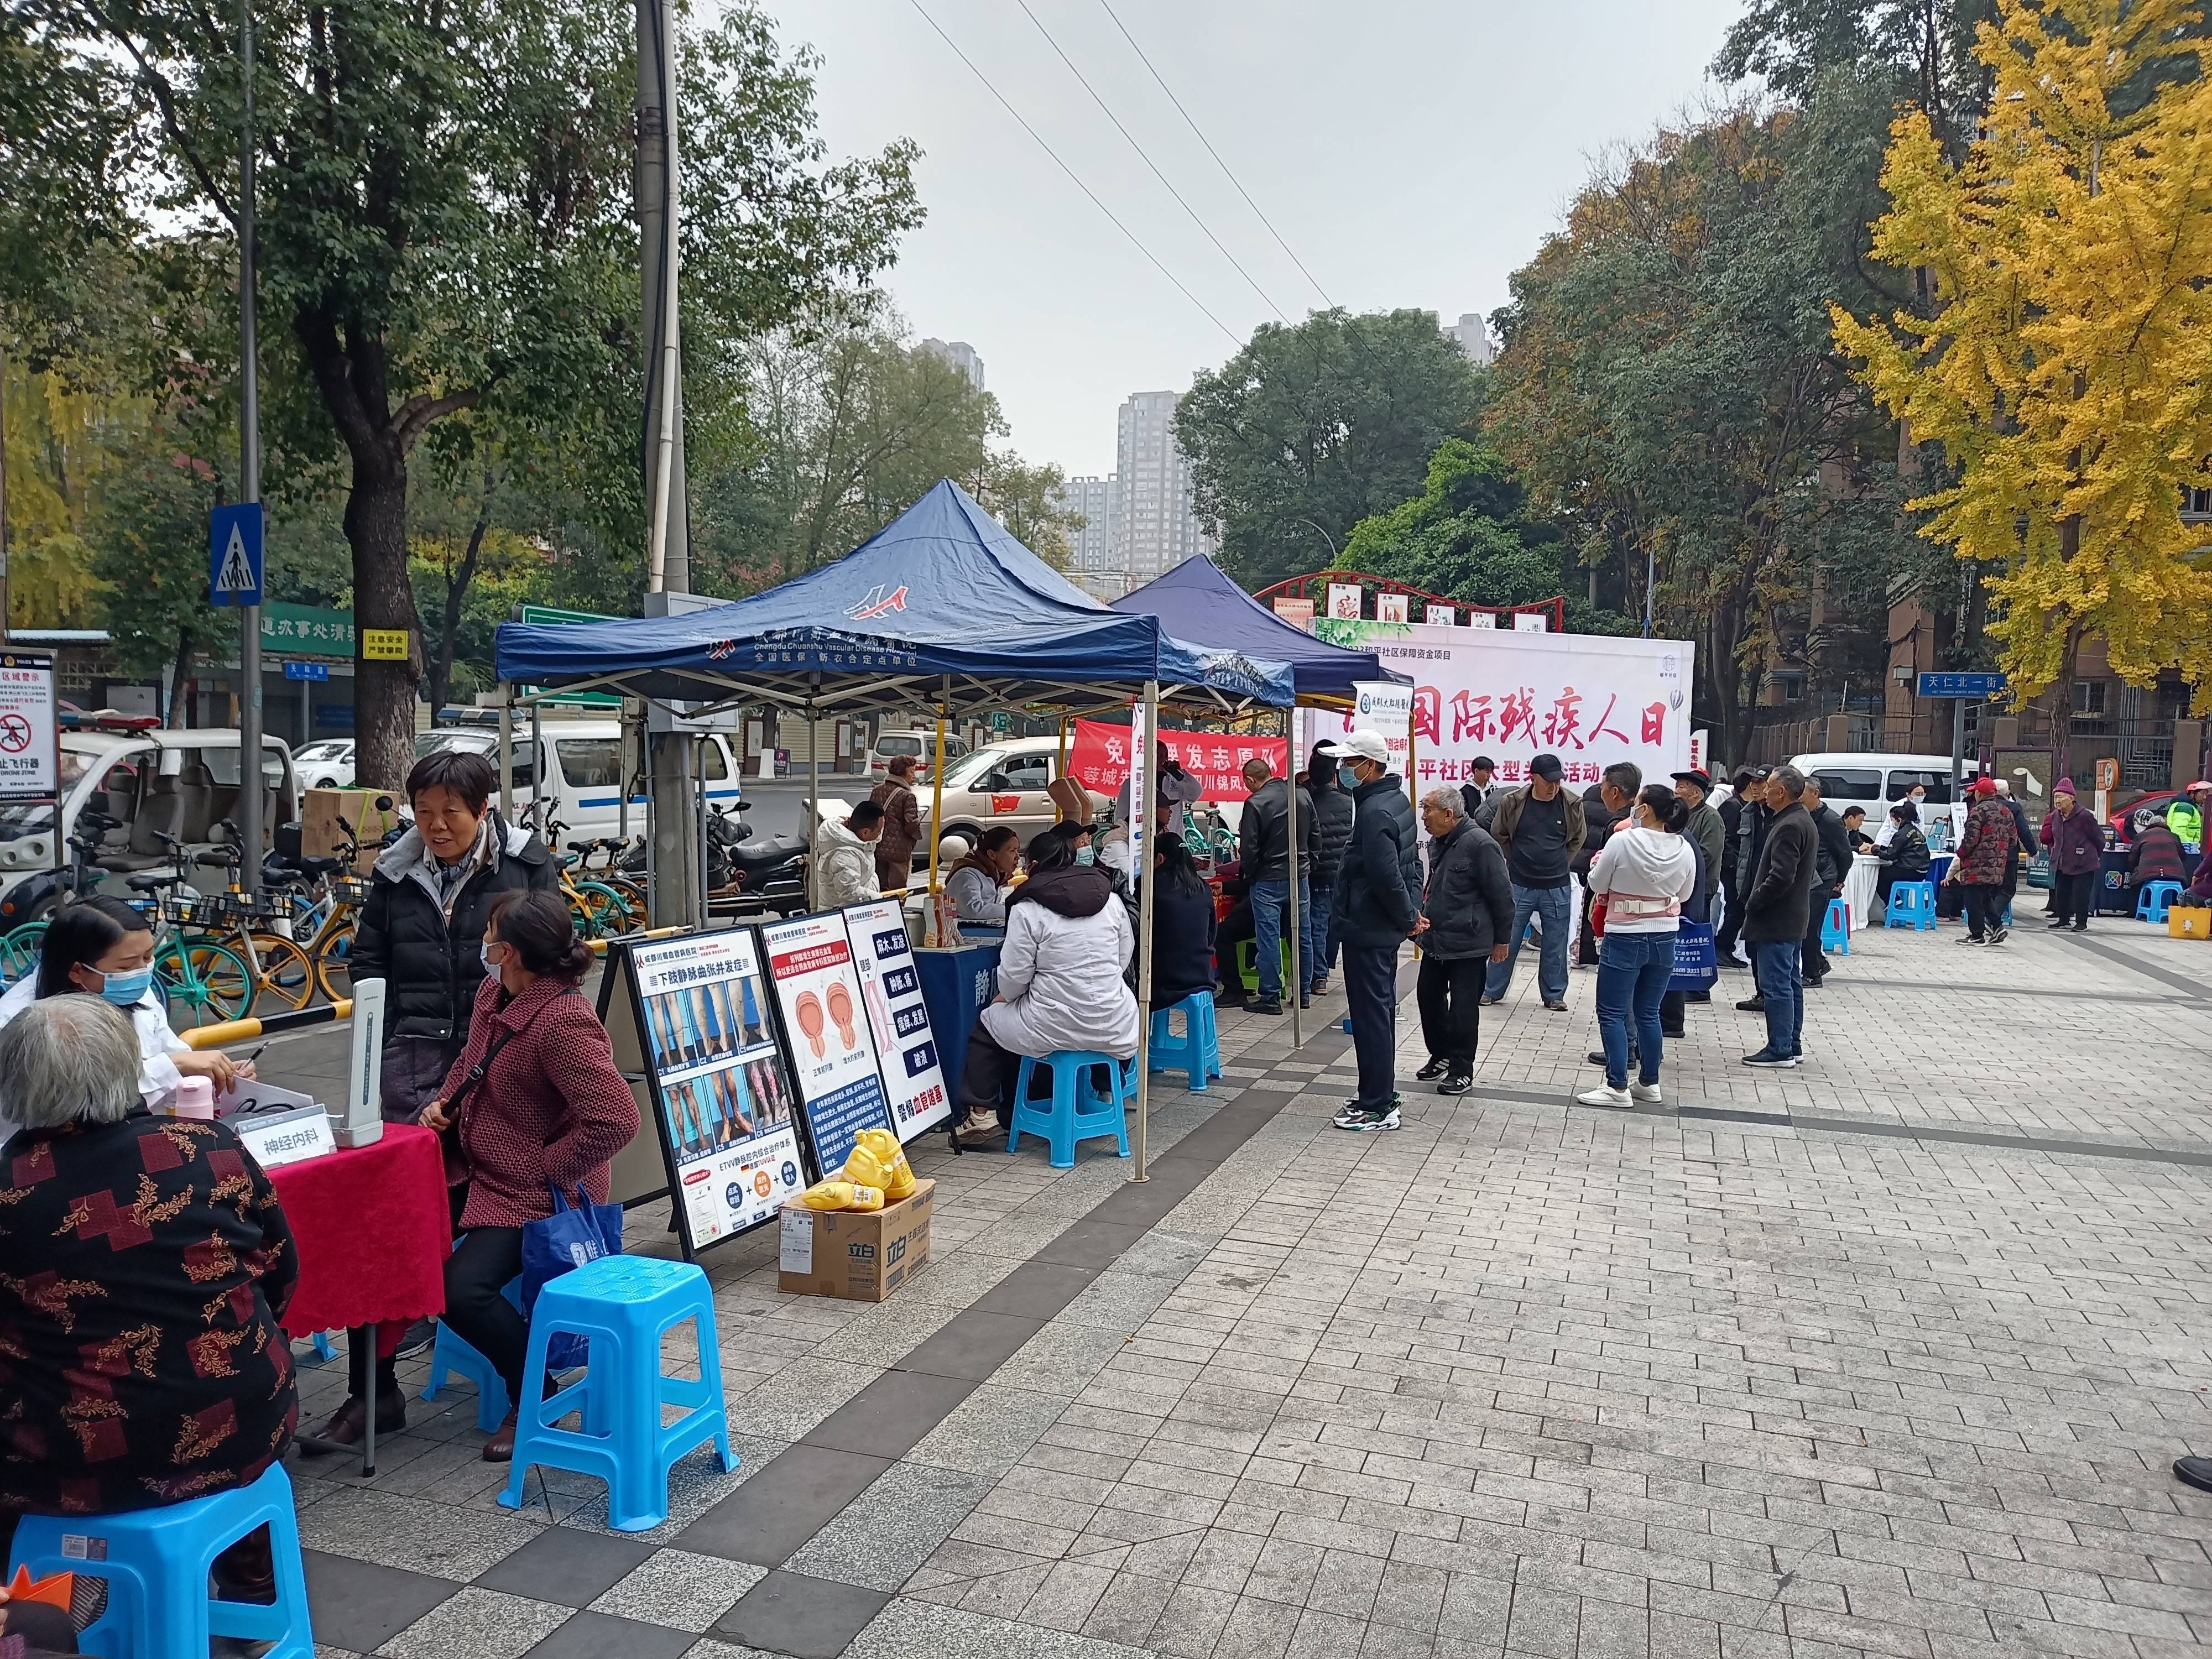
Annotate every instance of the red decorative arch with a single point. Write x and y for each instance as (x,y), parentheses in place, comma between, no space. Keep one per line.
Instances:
(1313,587)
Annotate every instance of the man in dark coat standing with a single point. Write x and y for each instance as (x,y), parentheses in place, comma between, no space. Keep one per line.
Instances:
(1332,833)
(1378,900)
(1466,914)
(1833,855)
(1264,840)
(1747,828)
(1605,808)
(1774,912)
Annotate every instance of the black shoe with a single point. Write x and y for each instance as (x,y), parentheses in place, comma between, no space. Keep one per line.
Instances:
(1672,1037)
(1752,1006)
(1701,996)
(350,1422)
(1597,1056)
(1265,1005)
(420,1335)
(2080,927)
(1306,1000)
(1767,1059)
(1225,998)
(1812,982)
(1456,1083)
(2194,1472)
(1435,1069)
(2058,922)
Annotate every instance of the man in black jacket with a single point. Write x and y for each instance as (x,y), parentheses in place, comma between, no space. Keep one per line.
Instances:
(1775,908)
(1466,914)
(1264,844)
(1740,856)
(1605,808)
(1332,833)
(1833,862)
(1378,897)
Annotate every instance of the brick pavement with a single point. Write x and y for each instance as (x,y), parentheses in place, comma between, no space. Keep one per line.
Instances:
(1762,1372)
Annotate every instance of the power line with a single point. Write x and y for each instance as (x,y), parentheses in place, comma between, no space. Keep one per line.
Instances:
(1215,154)
(1147,160)
(1073,175)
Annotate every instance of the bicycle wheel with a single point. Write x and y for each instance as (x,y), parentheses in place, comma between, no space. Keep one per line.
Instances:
(204,983)
(19,952)
(286,976)
(333,957)
(599,910)
(632,893)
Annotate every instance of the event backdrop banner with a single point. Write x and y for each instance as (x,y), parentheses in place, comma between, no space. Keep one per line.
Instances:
(1591,699)
(1098,758)
(721,1097)
(833,1052)
(1378,706)
(898,1018)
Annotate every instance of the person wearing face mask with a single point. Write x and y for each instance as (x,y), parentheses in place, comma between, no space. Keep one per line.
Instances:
(1264,843)
(532,1102)
(104,948)
(1079,839)
(1378,903)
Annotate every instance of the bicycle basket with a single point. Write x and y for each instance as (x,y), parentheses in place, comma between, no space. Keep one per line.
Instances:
(350,889)
(194,910)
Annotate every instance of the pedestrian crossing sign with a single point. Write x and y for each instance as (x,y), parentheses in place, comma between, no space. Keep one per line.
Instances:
(235,555)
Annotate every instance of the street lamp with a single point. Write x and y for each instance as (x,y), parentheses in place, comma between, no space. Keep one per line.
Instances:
(1323,534)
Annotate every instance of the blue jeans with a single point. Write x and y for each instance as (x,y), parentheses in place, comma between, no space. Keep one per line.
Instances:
(1556,906)
(1633,971)
(1271,911)
(1774,963)
(1324,956)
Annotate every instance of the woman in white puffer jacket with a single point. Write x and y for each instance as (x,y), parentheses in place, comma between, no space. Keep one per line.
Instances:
(1068,937)
(1647,870)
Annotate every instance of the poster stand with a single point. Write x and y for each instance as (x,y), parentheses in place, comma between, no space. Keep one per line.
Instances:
(820,1010)
(908,1057)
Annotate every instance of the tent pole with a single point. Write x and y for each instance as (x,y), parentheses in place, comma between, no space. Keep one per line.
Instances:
(506,751)
(1298,987)
(1061,770)
(937,785)
(813,804)
(1140,871)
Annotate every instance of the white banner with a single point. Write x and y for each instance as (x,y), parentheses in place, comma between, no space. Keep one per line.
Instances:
(1445,616)
(1482,619)
(1530,622)
(1591,699)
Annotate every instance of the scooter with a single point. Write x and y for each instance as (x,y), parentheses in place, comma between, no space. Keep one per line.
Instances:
(745,871)
(42,892)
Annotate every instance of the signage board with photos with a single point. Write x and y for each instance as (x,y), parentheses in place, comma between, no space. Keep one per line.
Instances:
(1440,616)
(898,1018)
(1344,601)
(720,1095)
(1393,608)
(827,1030)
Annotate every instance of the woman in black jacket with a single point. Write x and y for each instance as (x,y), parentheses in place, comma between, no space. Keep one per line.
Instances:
(1183,927)
(1332,810)
(1905,856)
(422,933)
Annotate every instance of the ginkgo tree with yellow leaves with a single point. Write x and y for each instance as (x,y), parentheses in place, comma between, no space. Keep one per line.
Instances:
(2063,358)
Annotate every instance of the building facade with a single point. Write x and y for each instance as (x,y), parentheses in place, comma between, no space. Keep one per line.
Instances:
(962,356)
(1158,527)
(1093,549)
(1473,335)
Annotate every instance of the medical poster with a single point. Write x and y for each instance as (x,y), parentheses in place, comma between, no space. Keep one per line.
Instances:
(891,992)
(825,1022)
(720,1094)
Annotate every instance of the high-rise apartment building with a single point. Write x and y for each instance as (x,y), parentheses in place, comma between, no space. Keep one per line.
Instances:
(1474,336)
(1093,549)
(1158,527)
(960,355)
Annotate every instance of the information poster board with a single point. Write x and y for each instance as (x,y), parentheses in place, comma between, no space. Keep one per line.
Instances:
(30,748)
(898,1020)
(826,1028)
(721,1097)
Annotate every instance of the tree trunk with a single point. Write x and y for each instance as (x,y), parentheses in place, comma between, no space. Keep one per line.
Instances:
(384,692)
(180,683)
(2062,710)
(457,589)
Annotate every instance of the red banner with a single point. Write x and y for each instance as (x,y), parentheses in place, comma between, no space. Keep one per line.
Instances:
(1098,758)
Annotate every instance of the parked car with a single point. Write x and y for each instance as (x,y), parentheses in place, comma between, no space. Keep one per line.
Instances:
(324,765)
(920,745)
(1003,782)
(2129,820)
(1875,780)
(582,772)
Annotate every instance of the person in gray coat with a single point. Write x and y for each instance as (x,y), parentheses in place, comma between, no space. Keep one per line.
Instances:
(1465,913)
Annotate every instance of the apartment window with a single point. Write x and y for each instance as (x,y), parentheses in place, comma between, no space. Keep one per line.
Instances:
(2089,697)
(2196,503)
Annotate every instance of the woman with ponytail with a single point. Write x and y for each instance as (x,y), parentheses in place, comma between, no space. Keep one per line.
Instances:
(1645,873)
(533,1102)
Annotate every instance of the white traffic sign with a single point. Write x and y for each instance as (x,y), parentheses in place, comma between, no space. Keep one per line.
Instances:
(235,555)
(30,752)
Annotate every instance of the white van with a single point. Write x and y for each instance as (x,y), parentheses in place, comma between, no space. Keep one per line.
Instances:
(579,771)
(1875,781)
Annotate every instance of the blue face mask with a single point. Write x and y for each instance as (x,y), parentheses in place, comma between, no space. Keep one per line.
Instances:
(483,954)
(1346,777)
(1086,855)
(127,990)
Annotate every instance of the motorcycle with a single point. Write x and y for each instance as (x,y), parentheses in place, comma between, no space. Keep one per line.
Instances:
(42,892)
(745,871)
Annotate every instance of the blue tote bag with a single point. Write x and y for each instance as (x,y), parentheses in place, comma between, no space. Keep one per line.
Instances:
(560,1243)
(1697,965)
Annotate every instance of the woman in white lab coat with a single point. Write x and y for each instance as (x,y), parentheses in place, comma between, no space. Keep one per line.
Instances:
(103,948)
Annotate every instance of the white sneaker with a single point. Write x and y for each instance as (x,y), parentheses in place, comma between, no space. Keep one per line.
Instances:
(1602,1096)
(1646,1092)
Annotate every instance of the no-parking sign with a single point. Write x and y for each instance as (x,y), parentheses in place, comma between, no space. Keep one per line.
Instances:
(30,751)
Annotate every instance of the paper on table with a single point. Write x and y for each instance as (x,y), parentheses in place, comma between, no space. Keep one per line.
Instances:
(252,1095)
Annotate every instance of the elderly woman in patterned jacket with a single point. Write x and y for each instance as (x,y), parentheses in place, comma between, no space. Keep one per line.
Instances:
(144,1262)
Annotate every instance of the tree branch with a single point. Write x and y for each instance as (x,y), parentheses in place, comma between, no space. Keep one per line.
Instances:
(419,411)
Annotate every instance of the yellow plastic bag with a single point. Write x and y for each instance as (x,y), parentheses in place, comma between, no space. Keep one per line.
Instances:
(828,1195)
(890,1158)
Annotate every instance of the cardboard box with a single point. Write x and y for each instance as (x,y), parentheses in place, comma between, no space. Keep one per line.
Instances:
(323,811)
(856,1255)
(2188,924)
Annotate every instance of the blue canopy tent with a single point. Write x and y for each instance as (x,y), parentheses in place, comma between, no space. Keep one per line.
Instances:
(944,607)
(1210,609)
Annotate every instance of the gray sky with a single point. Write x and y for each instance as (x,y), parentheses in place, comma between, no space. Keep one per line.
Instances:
(1411,152)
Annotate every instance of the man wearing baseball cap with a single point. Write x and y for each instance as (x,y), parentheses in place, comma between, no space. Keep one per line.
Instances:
(1378,900)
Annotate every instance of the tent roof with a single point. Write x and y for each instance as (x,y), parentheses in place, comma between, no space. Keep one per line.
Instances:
(943,590)
(1209,609)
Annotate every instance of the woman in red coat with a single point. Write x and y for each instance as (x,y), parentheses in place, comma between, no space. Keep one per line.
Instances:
(534,1102)
(2076,841)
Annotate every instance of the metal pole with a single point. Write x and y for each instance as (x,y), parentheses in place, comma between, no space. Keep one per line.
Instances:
(669,557)
(1060,771)
(1297,956)
(540,808)
(306,713)
(1140,871)
(1958,747)
(3,496)
(249,480)
(937,785)
(813,806)
(507,748)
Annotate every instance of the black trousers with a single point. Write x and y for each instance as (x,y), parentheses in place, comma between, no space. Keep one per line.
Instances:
(1985,906)
(1585,940)
(1450,992)
(1673,1007)
(987,1074)
(1231,928)
(1370,998)
(2072,898)
(476,1273)
(1814,960)
(1732,916)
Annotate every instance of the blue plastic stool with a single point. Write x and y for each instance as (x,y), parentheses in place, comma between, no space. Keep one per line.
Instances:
(1197,1051)
(451,1352)
(324,1352)
(2156,898)
(1076,1112)
(1835,928)
(156,1563)
(624,1305)
(1912,904)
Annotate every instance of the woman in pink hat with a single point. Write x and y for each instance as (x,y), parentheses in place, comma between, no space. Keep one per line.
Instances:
(2076,844)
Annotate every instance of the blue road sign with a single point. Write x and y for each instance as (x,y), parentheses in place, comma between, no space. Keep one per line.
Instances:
(235,555)
(1961,685)
(306,670)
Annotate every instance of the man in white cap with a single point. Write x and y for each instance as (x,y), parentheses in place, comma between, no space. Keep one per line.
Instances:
(1378,900)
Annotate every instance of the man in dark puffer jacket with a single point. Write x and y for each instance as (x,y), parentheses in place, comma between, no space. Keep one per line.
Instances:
(1377,902)
(1332,809)
(1466,914)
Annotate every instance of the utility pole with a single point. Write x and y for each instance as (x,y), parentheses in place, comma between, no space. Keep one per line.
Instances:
(249,479)
(676,831)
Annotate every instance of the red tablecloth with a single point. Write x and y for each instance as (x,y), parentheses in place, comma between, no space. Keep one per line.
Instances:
(374,1230)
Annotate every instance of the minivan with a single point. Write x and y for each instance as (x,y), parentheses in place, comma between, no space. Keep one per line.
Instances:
(582,770)
(1875,781)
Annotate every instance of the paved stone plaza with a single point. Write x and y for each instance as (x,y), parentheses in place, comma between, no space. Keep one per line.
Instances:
(1888,1355)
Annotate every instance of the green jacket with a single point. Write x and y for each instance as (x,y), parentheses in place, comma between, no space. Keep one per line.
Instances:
(2186,821)
(1707,830)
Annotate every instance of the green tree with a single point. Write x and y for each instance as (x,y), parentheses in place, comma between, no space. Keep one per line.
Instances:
(150,534)
(1320,423)
(446,225)
(1026,499)
(1920,51)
